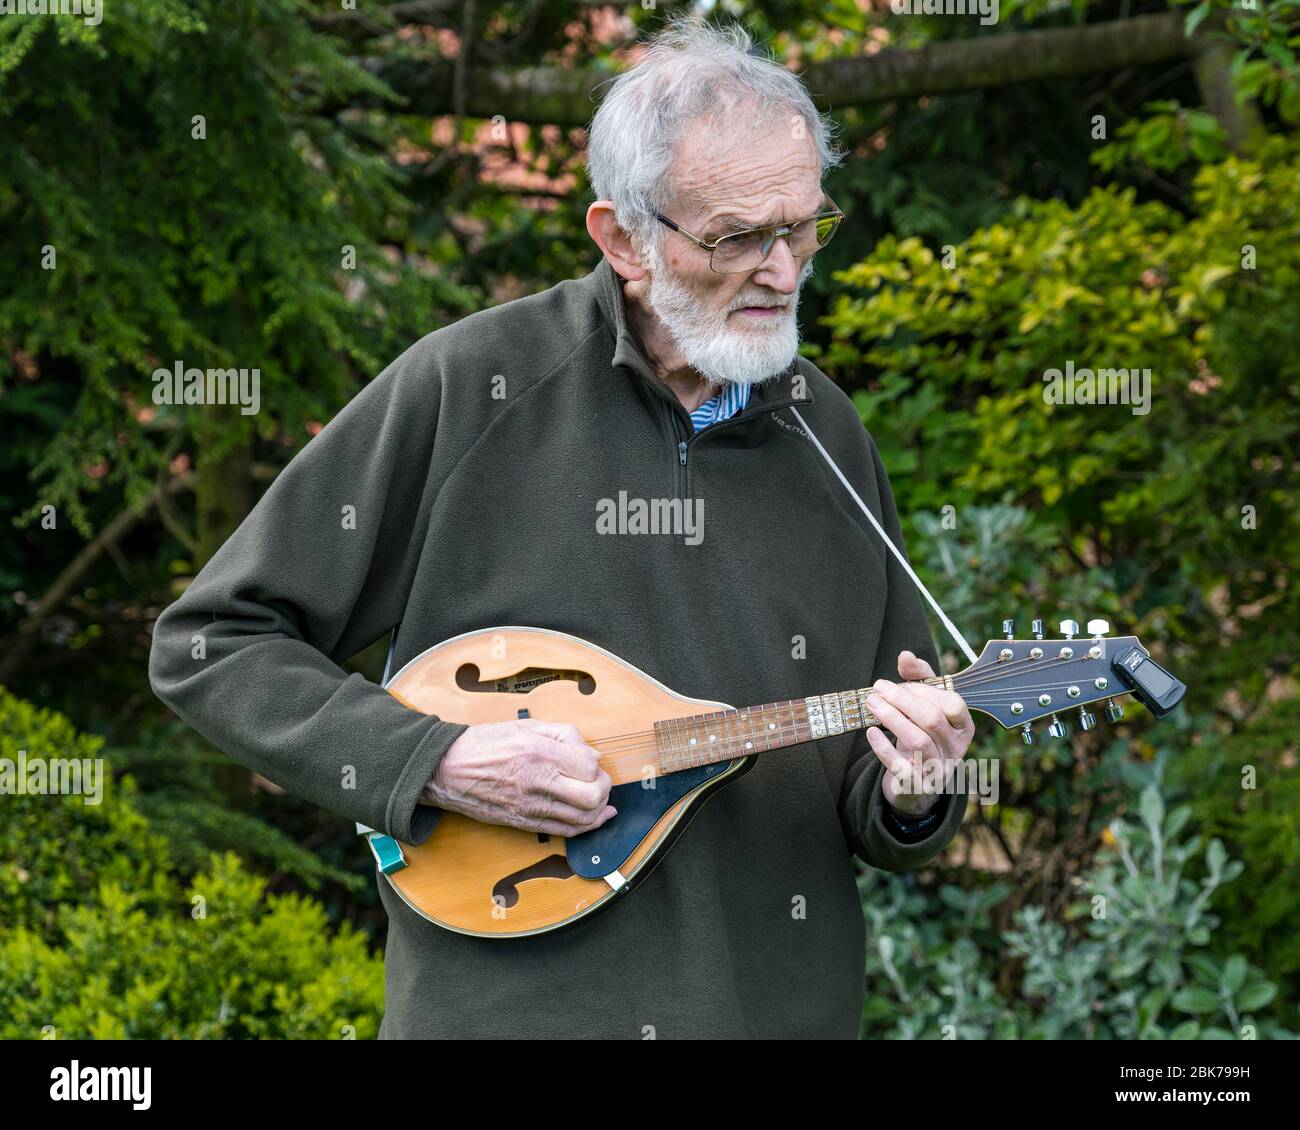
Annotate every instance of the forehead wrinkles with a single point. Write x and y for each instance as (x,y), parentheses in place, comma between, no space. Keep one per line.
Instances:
(758,172)
(755,199)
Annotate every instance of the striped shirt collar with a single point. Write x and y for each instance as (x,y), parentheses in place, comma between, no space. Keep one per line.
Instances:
(727,403)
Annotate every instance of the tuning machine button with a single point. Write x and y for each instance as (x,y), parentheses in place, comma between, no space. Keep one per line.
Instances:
(1098,628)
(1009,627)
(1027,734)
(1037,628)
(1069,629)
(1058,729)
(1114,711)
(1087,720)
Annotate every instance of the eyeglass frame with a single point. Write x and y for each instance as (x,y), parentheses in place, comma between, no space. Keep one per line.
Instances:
(779,230)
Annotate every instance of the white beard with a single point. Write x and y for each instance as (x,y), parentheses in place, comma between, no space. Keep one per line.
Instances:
(725,354)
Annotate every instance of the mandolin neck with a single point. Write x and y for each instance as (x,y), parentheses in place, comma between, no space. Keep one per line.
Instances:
(703,739)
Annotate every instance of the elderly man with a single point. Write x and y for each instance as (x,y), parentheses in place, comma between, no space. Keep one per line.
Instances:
(461,489)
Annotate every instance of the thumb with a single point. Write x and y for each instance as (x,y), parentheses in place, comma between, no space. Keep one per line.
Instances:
(912,666)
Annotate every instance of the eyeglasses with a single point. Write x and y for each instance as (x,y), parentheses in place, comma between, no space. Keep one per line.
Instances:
(745,250)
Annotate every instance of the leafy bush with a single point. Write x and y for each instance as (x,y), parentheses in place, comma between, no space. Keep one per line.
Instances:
(1138,969)
(101,939)
(1191,496)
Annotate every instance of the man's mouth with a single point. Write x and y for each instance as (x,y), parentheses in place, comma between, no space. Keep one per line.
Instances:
(761,311)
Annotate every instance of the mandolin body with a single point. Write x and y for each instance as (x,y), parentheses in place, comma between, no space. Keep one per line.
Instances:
(489,880)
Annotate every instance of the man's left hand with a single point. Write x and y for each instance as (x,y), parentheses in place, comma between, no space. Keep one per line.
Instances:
(931,725)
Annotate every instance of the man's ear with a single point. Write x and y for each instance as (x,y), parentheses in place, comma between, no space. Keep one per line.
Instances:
(623,253)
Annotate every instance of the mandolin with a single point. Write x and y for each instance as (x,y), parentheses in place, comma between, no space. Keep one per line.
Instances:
(667,753)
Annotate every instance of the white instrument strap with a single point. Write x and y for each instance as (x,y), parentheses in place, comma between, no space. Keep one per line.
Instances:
(947,623)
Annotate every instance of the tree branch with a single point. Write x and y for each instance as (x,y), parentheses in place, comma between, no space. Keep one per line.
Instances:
(569,97)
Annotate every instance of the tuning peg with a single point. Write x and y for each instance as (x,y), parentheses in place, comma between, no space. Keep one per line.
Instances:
(1087,720)
(1009,626)
(1098,628)
(1058,729)
(1069,629)
(1114,711)
(1027,734)
(1037,627)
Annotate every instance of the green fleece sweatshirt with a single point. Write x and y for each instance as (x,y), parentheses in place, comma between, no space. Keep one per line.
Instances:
(461,490)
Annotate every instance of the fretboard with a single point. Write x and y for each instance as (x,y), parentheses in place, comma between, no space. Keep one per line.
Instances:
(706,738)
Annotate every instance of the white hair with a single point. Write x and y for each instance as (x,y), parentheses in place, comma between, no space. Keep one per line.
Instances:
(692,72)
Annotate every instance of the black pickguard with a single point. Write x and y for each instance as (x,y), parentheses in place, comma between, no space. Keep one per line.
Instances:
(639,810)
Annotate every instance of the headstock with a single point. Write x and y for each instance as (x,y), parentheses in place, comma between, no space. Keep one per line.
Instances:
(1018,682)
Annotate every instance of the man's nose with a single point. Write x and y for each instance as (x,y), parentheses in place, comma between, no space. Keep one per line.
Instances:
(780,270)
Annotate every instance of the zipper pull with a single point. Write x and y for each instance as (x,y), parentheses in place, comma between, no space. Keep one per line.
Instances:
(681,453)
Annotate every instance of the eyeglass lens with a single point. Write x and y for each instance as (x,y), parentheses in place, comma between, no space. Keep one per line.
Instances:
(746,250)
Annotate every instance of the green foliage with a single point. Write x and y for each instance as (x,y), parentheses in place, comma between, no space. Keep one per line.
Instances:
(1264,66)
(1169,136)
(1243,786)
(960,351)
(54,850)
(100,937)
(137,236)
(248,968)
(1136,969)
(1061,802)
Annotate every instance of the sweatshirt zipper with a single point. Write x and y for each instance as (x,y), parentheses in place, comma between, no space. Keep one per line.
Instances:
(682,473)
(683,466)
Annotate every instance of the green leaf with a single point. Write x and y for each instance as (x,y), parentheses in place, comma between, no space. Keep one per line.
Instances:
(1234,973)
(1195,17)
(1255,996)
(1196,1000)
(1216,856)
(1152,808)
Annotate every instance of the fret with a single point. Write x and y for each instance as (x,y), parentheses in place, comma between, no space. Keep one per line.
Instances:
(744,732)
(854,710)
(679,744)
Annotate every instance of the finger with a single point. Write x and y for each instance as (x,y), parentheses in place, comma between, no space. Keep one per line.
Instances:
(588,795)
(912,666)
(564,732)
(900,770)
(542,808)
(567,830)
(573,758)
(911,736)
(928,707)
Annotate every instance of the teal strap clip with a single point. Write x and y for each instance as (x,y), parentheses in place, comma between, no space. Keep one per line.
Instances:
(387,852)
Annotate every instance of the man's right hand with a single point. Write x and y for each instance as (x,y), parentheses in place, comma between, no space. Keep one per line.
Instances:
(535,775)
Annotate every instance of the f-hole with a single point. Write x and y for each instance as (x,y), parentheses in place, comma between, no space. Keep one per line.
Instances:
(521,682)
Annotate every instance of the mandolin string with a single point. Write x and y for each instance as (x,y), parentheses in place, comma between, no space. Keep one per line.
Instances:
(634,742)
(633,745)
(963,679)
(612,741)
